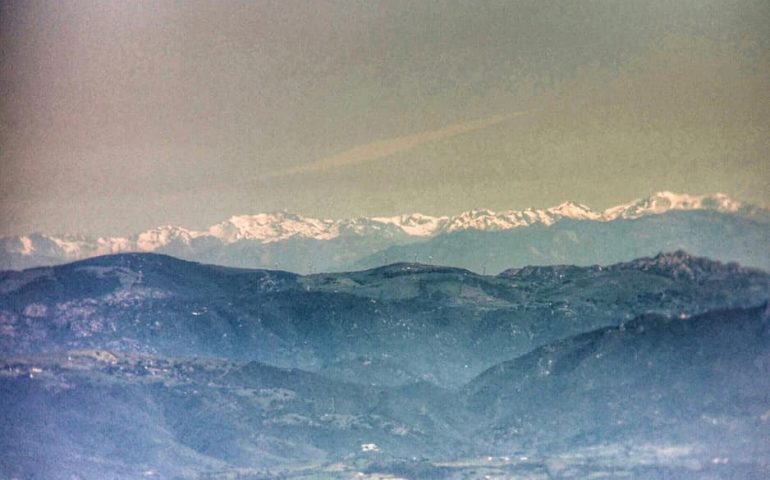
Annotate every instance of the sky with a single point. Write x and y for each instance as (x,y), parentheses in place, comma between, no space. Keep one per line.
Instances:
(121,116)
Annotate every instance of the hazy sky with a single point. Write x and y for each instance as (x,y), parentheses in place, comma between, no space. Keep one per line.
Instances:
(120,116)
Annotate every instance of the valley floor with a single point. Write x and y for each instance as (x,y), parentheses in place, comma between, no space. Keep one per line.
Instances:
(663,461)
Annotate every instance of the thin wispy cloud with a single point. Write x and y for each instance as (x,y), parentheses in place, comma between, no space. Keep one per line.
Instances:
(385,148)
(360,154)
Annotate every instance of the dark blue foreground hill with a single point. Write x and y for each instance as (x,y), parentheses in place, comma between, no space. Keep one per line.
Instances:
(387,326)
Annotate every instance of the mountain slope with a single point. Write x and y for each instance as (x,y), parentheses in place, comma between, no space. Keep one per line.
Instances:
(159,417)
(700,382)
(388,326)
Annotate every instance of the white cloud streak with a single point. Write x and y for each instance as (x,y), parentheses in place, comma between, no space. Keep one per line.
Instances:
(385,148)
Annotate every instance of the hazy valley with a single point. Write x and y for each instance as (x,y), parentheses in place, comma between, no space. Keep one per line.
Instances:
(145,365)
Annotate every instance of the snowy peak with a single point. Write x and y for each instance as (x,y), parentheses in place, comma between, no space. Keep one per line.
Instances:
(489,220)
(67,246)
(663,202)
(485,220)
(274,227)
(415,224)
(575,211)
(156,238)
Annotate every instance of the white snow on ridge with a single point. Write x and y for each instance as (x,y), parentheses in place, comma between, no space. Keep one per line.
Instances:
(275,227)
(415,224)
(158,237)
(26,246)
(575,211)
(483,220)
(662,202)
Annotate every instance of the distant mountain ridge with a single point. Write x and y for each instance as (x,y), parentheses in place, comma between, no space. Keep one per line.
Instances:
(720,236)
(293,242)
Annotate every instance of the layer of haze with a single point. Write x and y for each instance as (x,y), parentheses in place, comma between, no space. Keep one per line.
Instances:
(120,116)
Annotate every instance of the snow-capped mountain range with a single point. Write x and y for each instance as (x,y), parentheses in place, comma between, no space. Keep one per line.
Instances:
(274,228)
